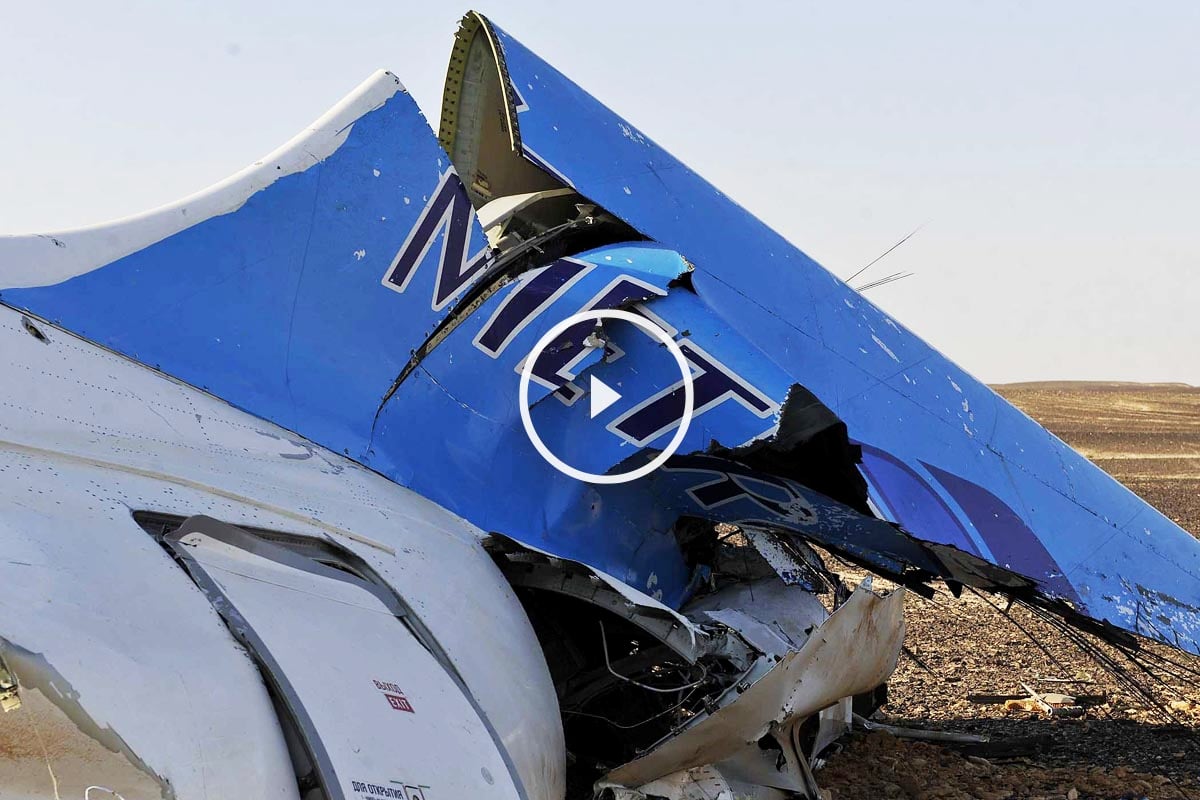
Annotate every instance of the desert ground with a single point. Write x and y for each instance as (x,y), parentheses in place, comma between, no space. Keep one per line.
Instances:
(1130,742)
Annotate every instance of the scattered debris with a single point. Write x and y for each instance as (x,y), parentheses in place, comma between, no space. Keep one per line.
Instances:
(918,733)
(1052,705)
(1185,706)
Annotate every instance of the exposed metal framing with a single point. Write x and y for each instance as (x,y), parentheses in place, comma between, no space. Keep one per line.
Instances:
(468,28)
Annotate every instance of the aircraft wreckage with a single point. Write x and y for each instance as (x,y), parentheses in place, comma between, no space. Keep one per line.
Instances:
(273,527)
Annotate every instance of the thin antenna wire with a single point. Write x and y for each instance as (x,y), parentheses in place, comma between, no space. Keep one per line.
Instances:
(885,252)
(896,276)
(884,278)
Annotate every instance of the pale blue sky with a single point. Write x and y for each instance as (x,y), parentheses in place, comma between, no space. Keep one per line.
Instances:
(1051,150)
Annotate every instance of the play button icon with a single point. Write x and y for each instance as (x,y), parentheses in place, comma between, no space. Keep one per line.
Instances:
(602,396)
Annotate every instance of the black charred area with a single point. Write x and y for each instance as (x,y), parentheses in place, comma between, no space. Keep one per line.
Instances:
(722,549)
(33,330)
(812,447)
(621,688)
(610,719)
(684,281)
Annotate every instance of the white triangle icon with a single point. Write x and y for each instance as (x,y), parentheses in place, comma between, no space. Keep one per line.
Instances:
(602,396)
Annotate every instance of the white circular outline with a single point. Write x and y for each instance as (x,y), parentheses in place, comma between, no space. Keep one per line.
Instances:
(689,396)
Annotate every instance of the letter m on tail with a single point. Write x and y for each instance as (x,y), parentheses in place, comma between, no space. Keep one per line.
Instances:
(448,215)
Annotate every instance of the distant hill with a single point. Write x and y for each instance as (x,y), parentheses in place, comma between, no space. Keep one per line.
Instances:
(1091,385)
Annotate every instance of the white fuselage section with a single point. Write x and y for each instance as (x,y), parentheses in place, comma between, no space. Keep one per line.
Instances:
(127,677)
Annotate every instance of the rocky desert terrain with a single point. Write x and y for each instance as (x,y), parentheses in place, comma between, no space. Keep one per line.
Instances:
(1139,731)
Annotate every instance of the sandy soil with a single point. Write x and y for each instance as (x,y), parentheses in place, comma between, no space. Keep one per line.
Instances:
(1127,745)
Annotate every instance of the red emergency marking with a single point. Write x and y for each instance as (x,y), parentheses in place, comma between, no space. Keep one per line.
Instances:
(399,702)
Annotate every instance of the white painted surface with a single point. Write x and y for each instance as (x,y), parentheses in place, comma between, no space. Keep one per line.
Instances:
(47,258)
(87,437)
(339,647)
(771,615)
(601,396)
(496,212)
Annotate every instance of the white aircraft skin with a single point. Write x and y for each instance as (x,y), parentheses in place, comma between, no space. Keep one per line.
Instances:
(130,684)
(105,633)
(202,662)
(198,604)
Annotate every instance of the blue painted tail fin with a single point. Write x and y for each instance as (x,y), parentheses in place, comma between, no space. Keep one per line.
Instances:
(314,289)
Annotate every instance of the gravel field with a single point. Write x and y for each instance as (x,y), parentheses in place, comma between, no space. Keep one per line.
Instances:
(1127,744)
